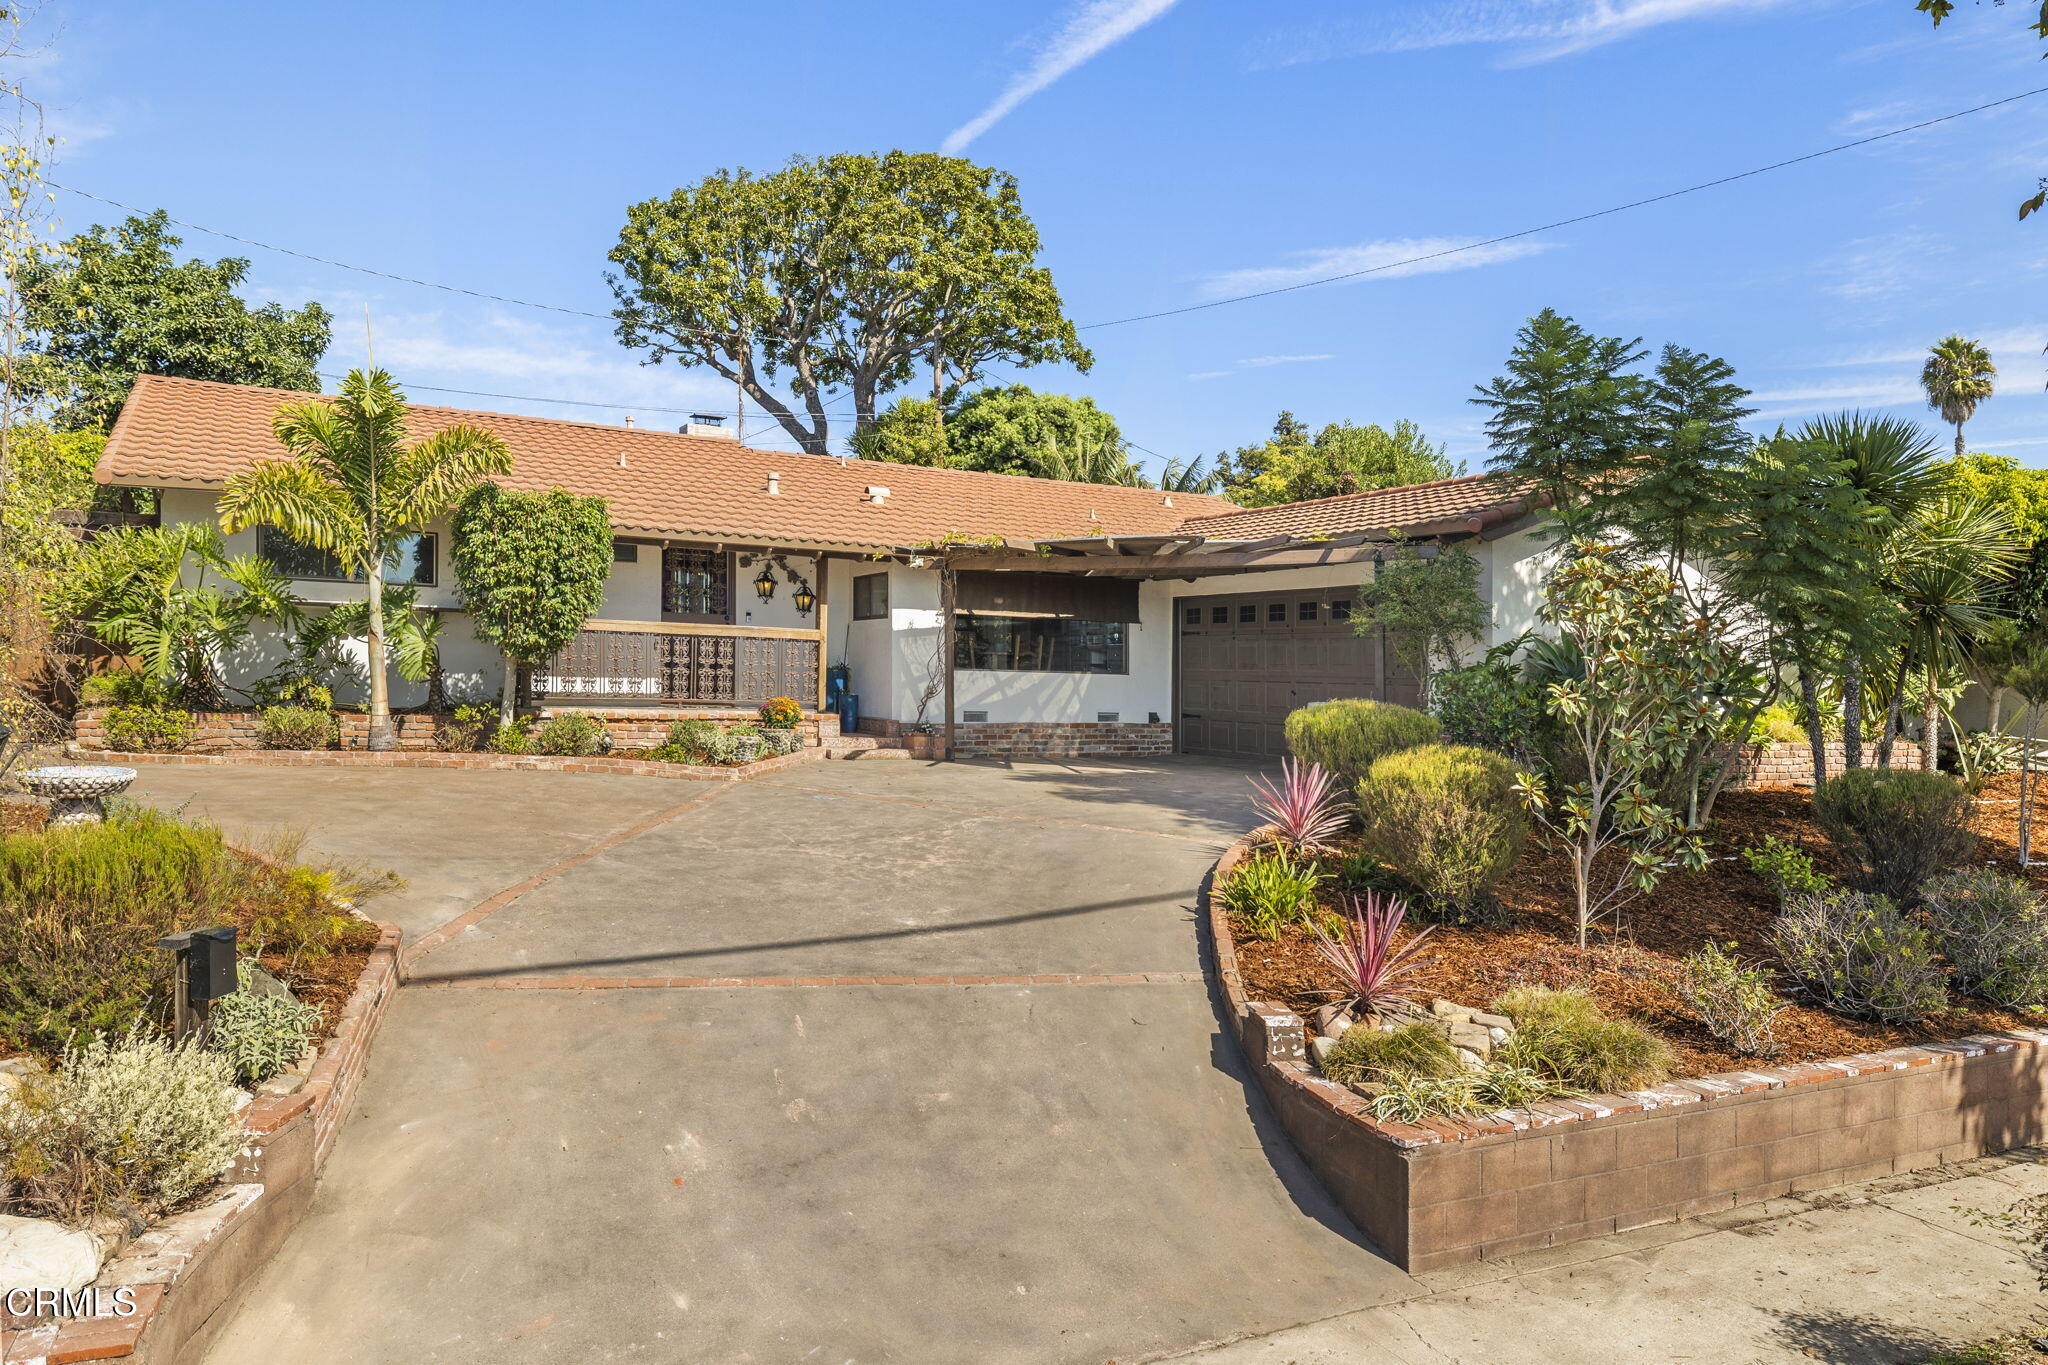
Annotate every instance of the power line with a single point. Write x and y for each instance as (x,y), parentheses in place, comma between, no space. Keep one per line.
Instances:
(1565,222)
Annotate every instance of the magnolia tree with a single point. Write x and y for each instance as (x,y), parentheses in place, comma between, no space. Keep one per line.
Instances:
(1655,684)
(532,569)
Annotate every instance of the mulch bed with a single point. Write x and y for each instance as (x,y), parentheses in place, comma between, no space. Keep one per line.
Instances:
(1628,966)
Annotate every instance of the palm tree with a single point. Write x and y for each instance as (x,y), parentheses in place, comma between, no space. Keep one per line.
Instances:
(412,634)
(1177,477)
(1957,377)
(354,487)
(1948,558)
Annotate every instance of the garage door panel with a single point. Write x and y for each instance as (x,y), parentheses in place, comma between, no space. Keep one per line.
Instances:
(1240,677)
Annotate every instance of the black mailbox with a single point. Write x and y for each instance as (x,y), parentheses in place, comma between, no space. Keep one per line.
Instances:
(209,960)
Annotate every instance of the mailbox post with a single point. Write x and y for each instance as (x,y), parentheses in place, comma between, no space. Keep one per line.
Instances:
(203,970)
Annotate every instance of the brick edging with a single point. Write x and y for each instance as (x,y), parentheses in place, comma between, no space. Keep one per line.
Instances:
(399,758)
(1696,1090)
(179,1270)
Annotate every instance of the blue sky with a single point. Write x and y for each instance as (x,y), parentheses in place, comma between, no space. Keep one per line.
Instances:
(1171,151)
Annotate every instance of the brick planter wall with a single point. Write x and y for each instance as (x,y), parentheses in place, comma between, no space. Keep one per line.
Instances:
(1770,765)
(1456,1190)
(184,1270)
(217,732)
(1051,739)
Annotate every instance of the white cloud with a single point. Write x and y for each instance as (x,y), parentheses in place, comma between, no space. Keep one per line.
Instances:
(1091,29)
(2021,342)
(1260,362)
(1211,374)
(1811,400)
(1878,267)
(1538,30)
(1387,259)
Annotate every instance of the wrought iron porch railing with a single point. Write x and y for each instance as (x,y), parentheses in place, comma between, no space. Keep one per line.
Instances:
(681,664)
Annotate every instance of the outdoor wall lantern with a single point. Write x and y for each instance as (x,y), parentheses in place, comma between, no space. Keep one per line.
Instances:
(765,582)
(805,599)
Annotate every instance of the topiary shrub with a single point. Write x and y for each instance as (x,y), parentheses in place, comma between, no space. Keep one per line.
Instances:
(147,729)
(260,1035)
(1348,736)
(573,733)
(130,1126)
(1568,1037)
(1859,955)
(1446,818)
(1366,1053)
(1993,929)
(298,727)
(1897,827)
(780,713)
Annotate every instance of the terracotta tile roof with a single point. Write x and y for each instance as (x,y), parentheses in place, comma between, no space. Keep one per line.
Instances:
(1447,505)
(190,433)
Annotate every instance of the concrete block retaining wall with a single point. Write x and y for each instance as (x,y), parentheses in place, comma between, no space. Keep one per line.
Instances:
(1455,1190)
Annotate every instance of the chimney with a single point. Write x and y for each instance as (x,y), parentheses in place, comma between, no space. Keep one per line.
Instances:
(629,421)
(710,424)
(774,485)
(877,494)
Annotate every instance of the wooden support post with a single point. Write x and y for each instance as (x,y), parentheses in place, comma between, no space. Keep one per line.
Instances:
(823,568)
(946,645)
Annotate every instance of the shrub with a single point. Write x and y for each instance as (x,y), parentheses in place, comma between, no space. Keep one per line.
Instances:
(305,911)
(1371,971)
(466,730)
(81,909)
(1366,1053)
(1411,1098)
(1489,705)
(693,737)
(1271,892)
(132,1126)
(734,744)
(780,713)
(1777,724)
(516,738)
(1859,955)
(123,687)
(1787,867)
(1735,1002)
(1447,818)
(1993,929)
(147,729)
(1305,807)
(291,689)
(574,733)
(260,1035)
(1347,736)
(1566,1036)
(299,727)
(1897,827)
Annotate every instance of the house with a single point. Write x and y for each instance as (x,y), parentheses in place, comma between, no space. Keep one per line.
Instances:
(1083,617)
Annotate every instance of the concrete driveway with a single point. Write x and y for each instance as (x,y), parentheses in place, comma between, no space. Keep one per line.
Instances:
(556,1158)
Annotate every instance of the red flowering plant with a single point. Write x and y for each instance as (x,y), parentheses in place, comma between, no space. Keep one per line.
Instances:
(781,713)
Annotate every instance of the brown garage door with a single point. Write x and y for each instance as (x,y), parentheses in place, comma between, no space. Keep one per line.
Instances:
(1247,659)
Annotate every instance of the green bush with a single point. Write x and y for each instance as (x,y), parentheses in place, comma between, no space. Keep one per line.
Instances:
(291,689)
(1271,892)
(467,729)
(1490,705)
(1566,1036)
(1859,955)
(298,727)
(516,738)
(147,729)
(1366,1053)
(693,738)
(260,1035)
(1897,827)
(1993,929)
(1446,818)
(734,744)
(304,912)
(81,909)
(573,733)
(1348,736)
(1736,1003)
(1409,1098)
(130,1126)
(123,687)
(1787,867)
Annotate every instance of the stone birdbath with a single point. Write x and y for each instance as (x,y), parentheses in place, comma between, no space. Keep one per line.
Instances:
(76,790)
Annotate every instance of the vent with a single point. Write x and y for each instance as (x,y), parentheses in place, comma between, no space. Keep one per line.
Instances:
(877,494)
(707,424)
(774,485)
(972,716)
(1107,717)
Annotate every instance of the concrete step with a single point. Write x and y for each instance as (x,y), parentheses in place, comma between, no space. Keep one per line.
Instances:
(865,746)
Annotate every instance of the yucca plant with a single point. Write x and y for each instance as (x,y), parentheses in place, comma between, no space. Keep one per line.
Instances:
(1305,806)
(1373,971)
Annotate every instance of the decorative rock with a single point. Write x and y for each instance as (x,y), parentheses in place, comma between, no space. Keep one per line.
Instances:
(1500,1021)
(1499,1035)
(291,1082)
(261,982)
(1471,1060)
(1332,1020)
(1372,1090)
(1472,1038)
(1444,1009)
(1320,1045)
(38,1254)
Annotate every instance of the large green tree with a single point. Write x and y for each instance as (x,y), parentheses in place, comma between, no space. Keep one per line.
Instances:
(354,486)
(1957,377)
(1567,417)
(1012,429)
(1293,466)
(846,272)
(117,302)
(532,569)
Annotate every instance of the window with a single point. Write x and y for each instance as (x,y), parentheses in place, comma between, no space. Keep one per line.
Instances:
(1306,611)
(1219,616)
(1340,610)
(696,585)
(871,597)
(625,552)
(1248,613)
(1276,611)
(1041,644)
(411,563)
(1192,616)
